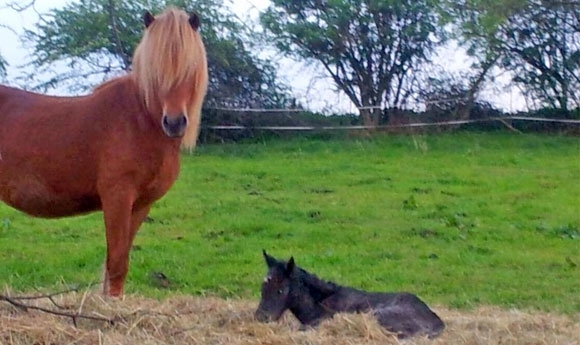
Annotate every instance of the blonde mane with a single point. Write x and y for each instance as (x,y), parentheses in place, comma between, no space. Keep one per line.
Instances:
(169,54)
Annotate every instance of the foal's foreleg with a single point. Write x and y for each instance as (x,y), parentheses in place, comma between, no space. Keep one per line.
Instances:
(122,220)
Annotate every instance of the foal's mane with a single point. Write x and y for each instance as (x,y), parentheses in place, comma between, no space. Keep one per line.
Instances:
(320,289)
(171,53)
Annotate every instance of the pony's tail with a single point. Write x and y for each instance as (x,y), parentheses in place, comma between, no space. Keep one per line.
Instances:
(194,112)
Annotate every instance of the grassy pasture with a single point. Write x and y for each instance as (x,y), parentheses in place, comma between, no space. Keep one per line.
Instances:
(462,220)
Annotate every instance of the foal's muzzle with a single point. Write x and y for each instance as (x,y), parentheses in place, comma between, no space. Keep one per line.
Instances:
(261,316)
(174,126)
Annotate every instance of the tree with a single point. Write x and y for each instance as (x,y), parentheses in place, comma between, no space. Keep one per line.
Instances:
(538,41)
(541,46)
(447,95)
(87,41)
(370,48)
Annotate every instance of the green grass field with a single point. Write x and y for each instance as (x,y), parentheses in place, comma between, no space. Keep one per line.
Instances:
(460,219)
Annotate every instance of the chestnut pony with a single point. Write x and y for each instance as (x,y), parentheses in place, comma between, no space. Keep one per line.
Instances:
(116,149)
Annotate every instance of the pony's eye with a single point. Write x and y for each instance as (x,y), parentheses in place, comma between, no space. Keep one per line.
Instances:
(280,292)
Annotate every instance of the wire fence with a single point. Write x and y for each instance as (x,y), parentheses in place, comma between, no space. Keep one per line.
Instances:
(235,124)
(414,124)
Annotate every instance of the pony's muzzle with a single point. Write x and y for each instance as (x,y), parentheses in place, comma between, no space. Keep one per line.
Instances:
(174,126)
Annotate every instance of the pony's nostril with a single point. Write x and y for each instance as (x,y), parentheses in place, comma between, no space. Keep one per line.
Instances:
(183,120)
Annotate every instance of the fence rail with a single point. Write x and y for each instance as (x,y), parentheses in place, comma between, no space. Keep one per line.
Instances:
(416,124)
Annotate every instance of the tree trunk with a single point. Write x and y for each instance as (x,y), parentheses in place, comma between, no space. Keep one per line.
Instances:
(370,116)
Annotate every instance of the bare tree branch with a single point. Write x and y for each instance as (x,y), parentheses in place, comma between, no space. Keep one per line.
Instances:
(16,301)
(118,42)
(18,7)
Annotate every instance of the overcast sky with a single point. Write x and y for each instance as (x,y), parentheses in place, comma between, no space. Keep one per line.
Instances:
(310,86)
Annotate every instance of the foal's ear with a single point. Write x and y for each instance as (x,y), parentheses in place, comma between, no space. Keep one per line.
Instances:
(270,261)
(290,266)
(194,20)
(148,18)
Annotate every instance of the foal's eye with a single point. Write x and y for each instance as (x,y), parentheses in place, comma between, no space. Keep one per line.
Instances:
(280,292)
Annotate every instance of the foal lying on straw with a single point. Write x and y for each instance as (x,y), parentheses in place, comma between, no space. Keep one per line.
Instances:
(312,300)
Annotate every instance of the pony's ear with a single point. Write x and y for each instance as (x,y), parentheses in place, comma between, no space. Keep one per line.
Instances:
(194,20)
(270,261)
(290,266)
(148,18)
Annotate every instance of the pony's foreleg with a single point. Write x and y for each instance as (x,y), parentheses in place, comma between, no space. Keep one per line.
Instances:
(117,224)
(119,242)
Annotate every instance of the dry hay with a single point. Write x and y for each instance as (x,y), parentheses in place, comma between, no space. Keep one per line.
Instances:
(197,320)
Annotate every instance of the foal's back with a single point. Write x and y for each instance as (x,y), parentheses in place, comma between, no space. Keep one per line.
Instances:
(408,315)
(400,312)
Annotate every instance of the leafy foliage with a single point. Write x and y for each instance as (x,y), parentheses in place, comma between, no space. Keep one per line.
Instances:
(370,48)
(538,41)
(541,46)
(80,36)
(96,38)
(453,96)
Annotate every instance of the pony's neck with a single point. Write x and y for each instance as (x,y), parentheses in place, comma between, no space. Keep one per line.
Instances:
(151,103)
(124,90)
(120,87)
